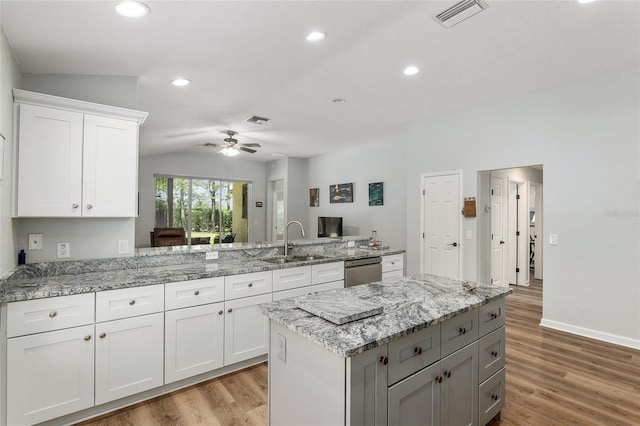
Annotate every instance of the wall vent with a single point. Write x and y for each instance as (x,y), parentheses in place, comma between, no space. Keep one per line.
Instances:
(256,119)
(459,12)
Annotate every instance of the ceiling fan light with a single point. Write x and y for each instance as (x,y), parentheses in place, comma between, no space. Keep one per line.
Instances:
(229,151)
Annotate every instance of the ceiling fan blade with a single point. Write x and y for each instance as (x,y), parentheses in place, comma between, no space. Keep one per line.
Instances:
(249,150)
(253,145)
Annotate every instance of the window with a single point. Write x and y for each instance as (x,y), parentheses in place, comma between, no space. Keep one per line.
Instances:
(210,211)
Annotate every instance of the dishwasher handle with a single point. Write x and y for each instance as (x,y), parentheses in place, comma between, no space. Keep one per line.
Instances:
(362,262)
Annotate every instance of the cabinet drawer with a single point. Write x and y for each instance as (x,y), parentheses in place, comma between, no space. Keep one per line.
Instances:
(244,285)
(55,313)
(327,286)
(392,262)
(491,316)
(413,352)
(491,397)
(458,331)
(129,302)
(286,279)
(491,354)
(392,274)
(192,293)
(327,272)
(294,292)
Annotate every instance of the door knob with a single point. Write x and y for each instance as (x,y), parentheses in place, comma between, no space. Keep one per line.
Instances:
(501,242)
(453,244)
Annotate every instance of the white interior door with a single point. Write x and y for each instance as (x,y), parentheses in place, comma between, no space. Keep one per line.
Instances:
(441,222)
(277,211)
(498,231)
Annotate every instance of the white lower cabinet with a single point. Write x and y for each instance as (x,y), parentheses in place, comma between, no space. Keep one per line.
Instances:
(246,330)
(392,266)
(194,341)
(49,375)
(128,356)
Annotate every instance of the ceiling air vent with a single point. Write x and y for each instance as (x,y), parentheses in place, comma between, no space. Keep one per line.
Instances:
(459,12)
(256,119)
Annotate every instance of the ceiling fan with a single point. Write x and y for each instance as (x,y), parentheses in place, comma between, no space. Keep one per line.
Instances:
(231,147)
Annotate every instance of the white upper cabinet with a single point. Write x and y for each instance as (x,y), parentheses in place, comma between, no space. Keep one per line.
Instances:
(74,158)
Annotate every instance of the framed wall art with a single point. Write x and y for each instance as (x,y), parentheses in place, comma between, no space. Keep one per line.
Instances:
(341,193)
(376,194)
(314,197)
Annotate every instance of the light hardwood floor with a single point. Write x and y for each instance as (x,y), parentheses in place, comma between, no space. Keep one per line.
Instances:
(553,378)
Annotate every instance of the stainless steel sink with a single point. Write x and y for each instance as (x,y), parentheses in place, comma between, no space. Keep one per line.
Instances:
(292,259)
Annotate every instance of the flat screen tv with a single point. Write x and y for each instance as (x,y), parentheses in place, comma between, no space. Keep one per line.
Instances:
(329,227)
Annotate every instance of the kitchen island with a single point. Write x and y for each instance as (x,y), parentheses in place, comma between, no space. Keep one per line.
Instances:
(434,355)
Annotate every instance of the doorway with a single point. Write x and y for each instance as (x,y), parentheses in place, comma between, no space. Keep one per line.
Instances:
(441,224)
(510,225)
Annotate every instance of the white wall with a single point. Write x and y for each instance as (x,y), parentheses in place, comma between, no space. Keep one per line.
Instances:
(382,161)
(200,166)
(587,137)
(10,77)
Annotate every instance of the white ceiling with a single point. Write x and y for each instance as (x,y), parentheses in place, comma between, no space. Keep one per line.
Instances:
(247,58)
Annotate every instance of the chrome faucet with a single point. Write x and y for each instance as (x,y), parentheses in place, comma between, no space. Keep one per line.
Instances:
(286,236)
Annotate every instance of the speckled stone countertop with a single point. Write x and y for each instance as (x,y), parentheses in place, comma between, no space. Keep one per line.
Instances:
(52,279)
(409,304)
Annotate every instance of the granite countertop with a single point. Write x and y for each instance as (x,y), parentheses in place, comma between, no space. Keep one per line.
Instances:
(408,303)
(54,279)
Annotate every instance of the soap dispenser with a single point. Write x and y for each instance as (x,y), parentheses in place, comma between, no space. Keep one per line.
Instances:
(22,257)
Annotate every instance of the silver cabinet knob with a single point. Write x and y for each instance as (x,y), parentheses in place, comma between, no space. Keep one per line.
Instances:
(197,292)
(132,302)
(220,312)
(229,310)
(87,338)
(103,335)
(250,284)
(52,314)
(74,205)
(89,206)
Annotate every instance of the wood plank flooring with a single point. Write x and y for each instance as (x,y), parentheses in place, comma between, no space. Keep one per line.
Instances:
(553,378)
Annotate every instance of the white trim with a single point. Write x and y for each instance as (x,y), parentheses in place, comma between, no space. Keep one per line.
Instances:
(460,223)
(33,98)
(592,334)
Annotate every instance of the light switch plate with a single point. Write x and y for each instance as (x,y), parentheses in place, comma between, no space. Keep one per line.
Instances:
(282,348)
(351,243)
(211,255)
(123,246)
(553,239)
(468,235)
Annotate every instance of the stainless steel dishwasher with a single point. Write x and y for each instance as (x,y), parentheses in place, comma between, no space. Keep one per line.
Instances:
(362,271)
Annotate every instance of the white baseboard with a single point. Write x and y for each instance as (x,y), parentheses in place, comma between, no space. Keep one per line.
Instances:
(592,334)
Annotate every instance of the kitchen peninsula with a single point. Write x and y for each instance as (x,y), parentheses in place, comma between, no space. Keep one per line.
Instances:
(84,337)
(434,355)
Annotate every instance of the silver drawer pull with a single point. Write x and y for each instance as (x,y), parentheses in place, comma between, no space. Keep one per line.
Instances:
(220,312)
(87,338)
(229,310)
(197,292)
(103,335)
(74,206)
(52,314)
(89,206)
(250,284)
(132,302)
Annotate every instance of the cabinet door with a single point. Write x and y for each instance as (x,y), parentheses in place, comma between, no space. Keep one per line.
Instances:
(415,401)
(110,167)
(193,341)
(246,330)
(49,375)
(367,388)
(49,153)
(128,356)
(459,389)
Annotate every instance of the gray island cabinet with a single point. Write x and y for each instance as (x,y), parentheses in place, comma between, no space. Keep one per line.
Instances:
(434,356)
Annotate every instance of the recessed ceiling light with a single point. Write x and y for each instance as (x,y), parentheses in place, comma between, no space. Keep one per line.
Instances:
(316,36)
(180,82)
(586,1)
(411,70)
(132,9)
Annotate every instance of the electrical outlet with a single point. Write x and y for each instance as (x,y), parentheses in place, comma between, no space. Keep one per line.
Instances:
(64,250)
(282,348)
(468,235)
(351,243)
(123,246)
(211,255)
(35,241)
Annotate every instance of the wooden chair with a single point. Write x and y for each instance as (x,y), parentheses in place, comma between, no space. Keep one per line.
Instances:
(164,237)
